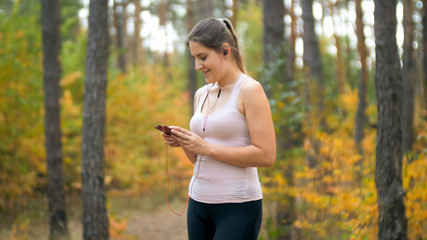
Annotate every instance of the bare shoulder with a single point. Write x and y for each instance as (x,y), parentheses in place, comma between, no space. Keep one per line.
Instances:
(251,88)
(251,97)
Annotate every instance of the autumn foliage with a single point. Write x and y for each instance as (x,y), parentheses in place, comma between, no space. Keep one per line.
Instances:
(336,199)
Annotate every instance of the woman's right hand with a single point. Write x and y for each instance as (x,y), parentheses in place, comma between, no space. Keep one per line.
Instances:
(169,140)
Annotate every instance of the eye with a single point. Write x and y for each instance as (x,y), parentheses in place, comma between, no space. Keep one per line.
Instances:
(204,58)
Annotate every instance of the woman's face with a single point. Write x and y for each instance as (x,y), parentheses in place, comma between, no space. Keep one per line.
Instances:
(208,61)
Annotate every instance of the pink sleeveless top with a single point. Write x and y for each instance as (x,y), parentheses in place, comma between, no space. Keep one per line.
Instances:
(214,181)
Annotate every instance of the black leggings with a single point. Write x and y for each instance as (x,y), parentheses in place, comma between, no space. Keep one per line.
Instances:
(232,221)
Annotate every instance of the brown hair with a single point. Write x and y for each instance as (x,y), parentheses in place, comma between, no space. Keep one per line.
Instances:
(213,33)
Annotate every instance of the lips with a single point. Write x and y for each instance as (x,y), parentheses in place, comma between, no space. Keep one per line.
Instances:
(204,73)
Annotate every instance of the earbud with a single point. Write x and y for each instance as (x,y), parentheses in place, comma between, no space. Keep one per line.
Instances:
(225,52)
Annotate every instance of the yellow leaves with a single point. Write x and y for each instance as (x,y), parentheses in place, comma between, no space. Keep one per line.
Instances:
(134,150)
(415,183)
(350,100)
(68,104)
(20,231)
(70,78)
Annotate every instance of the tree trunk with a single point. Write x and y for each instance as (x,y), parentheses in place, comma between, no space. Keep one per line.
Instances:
(311,56)
(424,21)
(388,171)
(340,66)
(95,218)
(119,22)
(51,18)
(274,42)
(408,78)
(192,80)
(274,35)
(363,84)
(235,12)
(163,8)
(291,55)
(206,8)
(137,50)
(312,61)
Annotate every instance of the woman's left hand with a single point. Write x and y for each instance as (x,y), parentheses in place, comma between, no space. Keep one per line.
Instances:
(189,141)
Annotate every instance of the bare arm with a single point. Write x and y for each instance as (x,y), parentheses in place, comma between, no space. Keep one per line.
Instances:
(262,151)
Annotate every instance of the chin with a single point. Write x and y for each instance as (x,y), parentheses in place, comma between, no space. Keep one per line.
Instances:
(209,80)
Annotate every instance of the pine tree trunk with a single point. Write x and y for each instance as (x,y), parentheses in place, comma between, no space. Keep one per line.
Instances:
(235,10)
(274,42)
(291,56)
(206,8)
(192,80)
(363,84)
(408,78)
(340,65)
(388,171)
(137,50)
(95,218)
(274,35)
(313,63)
(52,92)
(311,57)
(162,13)
(424,22)
(120,33)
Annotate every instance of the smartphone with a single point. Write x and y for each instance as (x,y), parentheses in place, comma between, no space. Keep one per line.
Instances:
(164,128)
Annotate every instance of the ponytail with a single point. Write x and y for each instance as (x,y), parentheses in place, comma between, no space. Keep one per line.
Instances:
(213,33)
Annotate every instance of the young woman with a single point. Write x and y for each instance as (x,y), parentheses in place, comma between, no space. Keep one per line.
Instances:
(231,135)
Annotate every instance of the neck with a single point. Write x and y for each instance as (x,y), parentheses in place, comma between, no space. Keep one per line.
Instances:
(229,78)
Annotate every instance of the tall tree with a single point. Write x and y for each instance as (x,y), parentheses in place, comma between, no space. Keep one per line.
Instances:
(192,80)
(388,170)
(424,21)
(340,66)
(137,50)
(119,23)
(95,218)
(206,8)
(291,55)
(162,13)
(274,34)
(273,50)
(408,78)
(311,54)
(363,82)
(51,18)
(235,10)
(312,61)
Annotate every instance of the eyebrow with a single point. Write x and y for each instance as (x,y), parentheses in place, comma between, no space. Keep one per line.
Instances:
(202,53)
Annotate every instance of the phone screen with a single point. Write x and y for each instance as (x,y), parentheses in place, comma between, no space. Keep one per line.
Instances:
(164,128)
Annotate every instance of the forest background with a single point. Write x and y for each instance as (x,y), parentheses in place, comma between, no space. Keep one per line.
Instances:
(322,185)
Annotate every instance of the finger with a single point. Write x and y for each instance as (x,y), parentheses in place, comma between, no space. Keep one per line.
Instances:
(179,136)
(177,130)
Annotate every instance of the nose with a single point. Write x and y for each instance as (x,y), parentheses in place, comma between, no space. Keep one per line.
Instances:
(197,65)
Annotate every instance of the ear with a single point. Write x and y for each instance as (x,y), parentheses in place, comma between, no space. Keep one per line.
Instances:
(226,48)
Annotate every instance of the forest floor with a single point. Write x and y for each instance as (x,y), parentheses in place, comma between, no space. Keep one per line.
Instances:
(158,224)
(131,219)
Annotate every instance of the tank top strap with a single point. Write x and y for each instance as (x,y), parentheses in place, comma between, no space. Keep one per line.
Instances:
(236,90)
